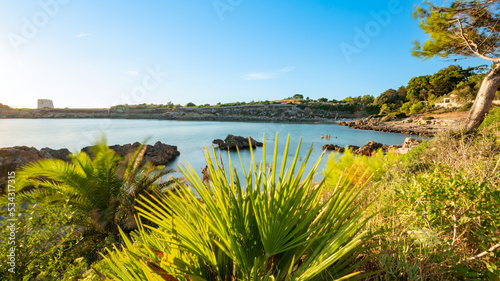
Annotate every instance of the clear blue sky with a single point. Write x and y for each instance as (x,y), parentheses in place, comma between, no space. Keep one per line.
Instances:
(89,53)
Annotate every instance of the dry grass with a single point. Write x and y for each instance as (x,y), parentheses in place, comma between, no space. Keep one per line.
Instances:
(474,156)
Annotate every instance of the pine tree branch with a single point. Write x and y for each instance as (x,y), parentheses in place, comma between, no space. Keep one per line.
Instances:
(492,249)
(472,46)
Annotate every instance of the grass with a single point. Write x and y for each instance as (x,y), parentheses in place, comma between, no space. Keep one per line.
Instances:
(439,211)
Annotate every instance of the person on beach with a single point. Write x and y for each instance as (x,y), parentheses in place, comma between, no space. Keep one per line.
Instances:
(206,175)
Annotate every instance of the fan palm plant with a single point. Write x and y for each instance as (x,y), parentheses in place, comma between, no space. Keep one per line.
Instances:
(100,191)
(261,226)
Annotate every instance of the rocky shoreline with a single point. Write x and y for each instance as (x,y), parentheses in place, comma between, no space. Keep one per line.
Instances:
(426,125)
(371,147)
(12,158)
(250,113)
(361,125)
(422,125)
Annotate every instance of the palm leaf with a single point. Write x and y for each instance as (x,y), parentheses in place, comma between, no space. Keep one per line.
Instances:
(258,225)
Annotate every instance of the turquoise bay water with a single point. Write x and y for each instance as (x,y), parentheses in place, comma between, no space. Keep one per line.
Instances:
(190,137)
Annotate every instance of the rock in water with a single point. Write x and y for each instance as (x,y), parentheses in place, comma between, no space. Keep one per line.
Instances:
(157,154)
(12,158)
(333,147)
(369,148)
(49,153)
(233,142)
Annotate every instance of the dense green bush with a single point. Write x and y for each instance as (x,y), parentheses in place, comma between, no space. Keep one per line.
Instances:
(79,208)
(417,107)
(351,108)
(393,115)
(358,169)
(439,211)
(46,248)
(372,109)
(268,223)
(101,191)
(436,207)
(492,121)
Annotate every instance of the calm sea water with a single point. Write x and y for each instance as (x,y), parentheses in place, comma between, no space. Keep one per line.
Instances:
(190,137)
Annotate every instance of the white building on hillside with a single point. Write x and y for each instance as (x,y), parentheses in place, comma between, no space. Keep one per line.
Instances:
(449,102)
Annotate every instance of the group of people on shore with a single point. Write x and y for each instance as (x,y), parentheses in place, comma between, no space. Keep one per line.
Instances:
(326,136)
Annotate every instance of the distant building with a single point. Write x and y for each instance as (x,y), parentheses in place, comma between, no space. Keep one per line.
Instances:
(449,102)
(43,103)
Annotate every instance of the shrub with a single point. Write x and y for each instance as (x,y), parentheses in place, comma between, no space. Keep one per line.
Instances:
(417,107)
(492,121)
(465,107)
(459,212)
(100,191)
(406,107)
(372,109)
(393,115)
(45,247)
(384,109)
(358,169)
(270,224)
(439,210)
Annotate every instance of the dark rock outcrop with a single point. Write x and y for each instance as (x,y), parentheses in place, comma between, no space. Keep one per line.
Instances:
(218,142)
(333,147)
(49,153)
(233,142)
(353,147)
(368,149)
(157,154)
(371,147)
(12,158)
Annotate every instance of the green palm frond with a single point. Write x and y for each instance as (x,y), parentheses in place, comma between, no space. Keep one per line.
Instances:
(103,189)
(269,224)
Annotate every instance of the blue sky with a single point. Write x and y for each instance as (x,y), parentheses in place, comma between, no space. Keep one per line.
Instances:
(93,53)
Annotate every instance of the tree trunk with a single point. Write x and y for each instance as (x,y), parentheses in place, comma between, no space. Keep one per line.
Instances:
(484,99)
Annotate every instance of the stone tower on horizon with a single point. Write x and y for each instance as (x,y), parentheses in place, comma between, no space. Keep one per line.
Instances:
(44,103)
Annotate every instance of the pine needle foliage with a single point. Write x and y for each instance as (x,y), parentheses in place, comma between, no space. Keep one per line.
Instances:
(268,223)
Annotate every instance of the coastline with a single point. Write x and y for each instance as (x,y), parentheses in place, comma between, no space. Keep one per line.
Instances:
(426,125)
(251,113)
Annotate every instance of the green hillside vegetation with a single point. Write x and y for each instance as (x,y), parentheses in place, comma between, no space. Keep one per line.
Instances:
(436,207)
(422,92)
(419,95)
